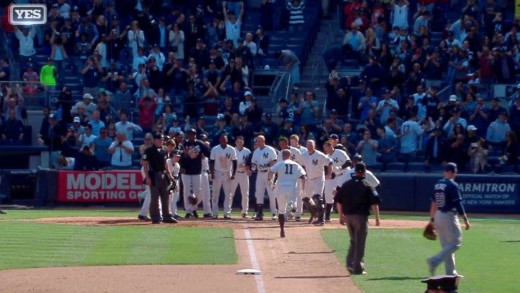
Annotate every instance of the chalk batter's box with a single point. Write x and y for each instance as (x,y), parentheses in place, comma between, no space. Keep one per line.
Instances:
(99,186)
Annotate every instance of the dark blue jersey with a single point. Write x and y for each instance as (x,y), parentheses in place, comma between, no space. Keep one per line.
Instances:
(447,196)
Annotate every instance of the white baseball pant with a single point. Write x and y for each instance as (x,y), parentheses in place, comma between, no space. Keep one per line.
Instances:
(221,180)
(261,186)
(241,180)
(312,187)
(283,193)
(330,185)
(205,192)
(145,208)
(191,183)
(175,198)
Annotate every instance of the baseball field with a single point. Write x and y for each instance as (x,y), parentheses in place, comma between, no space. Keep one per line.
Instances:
(107,250)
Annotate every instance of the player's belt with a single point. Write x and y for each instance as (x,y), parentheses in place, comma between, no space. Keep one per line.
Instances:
(241,171)
(263,171)
(175,177)
(206,171)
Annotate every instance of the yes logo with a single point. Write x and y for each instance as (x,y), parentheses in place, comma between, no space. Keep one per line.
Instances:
(27,14)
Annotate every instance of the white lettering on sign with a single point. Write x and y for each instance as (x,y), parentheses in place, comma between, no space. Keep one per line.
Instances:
(487,187)
(92,181)
(27,14)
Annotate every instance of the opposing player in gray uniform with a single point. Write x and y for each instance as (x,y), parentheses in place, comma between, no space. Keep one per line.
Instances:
(296,156)
(445,209)
(264,157)
(340,165)
(288,174)
(241,177)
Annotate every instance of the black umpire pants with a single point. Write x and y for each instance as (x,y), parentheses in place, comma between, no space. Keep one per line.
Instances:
(159,191)
(357,229)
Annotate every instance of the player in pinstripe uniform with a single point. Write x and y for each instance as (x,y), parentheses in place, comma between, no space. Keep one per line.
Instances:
(340,165)
(295,142)
(289,172)
(264,157)
(223,166)
(296,156)
(318,167)
(241,177)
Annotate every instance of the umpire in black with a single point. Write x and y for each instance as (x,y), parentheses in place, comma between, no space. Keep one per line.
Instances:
(154,163)
(353,201)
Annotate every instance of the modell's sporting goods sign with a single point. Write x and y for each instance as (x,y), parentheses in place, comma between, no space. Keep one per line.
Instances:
(99,186)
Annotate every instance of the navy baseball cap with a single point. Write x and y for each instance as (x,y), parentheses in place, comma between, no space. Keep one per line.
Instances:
(333,136)
(357,158)
(450,167)
(360,167)
(157,136)
(192,131)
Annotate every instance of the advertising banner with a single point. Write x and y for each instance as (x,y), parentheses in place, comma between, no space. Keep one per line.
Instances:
(491,194)
(99,186)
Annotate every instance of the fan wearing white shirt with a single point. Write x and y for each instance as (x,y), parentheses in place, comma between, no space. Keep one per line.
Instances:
(241,177)
(264,157)
(296,155)
(223,166)
(340,166)
(318,167)
(289,173)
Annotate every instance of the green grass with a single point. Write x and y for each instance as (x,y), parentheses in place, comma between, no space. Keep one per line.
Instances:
(395,258)
(30,244)
(31,214)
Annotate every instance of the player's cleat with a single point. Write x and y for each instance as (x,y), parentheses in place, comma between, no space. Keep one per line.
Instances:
(143,218)
(282,234)
(207,216)
(176,217)
(227,217)
(188,215)
(214,217)
(318,223)
(170,221)
(259,218)
(245,216)
(328,221)
(298,219)
(274,217)
(156,222)
(195,214)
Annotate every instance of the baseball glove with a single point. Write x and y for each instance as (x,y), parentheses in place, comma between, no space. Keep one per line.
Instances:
(192,199)
(429,232)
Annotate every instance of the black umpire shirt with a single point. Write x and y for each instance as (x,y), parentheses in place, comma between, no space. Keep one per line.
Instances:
(156,158)
(355,197)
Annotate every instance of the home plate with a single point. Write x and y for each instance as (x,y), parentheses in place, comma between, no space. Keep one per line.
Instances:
(249,272)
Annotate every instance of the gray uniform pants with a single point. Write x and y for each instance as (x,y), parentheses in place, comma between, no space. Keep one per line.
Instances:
(357,229)
(448,227)
(159,191)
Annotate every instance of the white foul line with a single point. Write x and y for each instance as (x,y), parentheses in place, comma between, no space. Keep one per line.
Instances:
(254,262)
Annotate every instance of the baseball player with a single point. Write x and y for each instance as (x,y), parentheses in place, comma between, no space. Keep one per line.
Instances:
(288,172)
(264,157)
(445,209)
(340,165)
(222,166)
(296,156)
(174,168)
(315,162)
(191,170)
(205,190)
(370,179)
(295,142)
(241,177)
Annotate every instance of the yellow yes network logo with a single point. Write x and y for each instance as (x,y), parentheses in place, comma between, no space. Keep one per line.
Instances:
(27,14)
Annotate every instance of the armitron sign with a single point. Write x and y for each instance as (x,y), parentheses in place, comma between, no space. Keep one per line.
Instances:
(27,14)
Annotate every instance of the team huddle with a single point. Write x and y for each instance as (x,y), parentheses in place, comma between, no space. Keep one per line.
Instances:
(292,177)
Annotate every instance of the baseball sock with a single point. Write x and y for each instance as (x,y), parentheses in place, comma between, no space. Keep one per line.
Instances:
(328,209)
(281,221)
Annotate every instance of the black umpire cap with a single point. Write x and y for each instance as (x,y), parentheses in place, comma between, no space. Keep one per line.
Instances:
(357,158)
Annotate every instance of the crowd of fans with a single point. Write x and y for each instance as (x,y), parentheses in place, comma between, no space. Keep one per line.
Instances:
(169,65)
